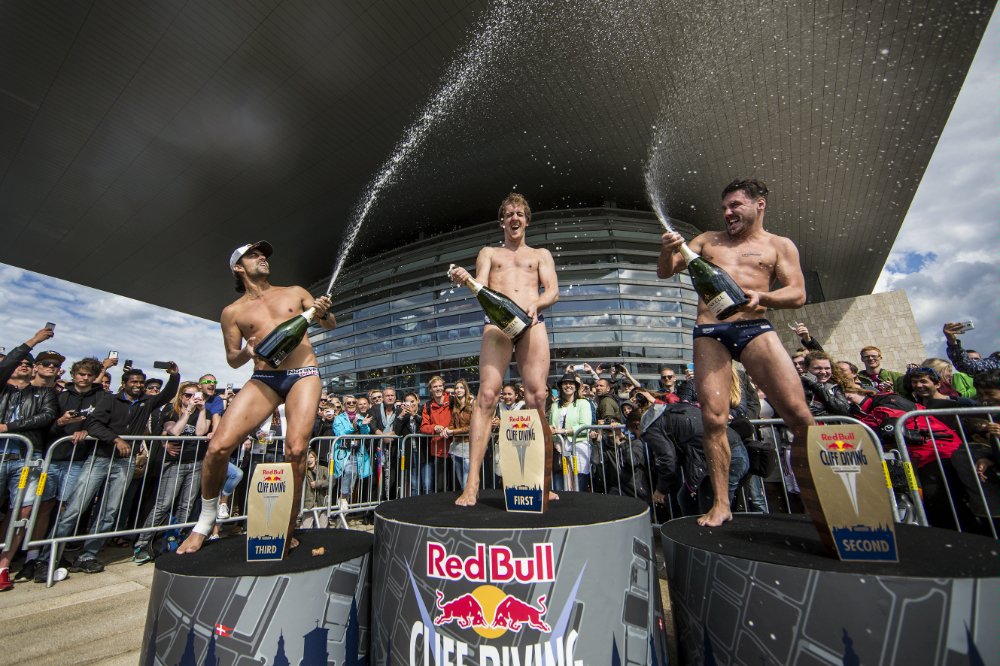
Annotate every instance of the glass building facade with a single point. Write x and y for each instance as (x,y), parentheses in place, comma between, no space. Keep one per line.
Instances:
(400,321)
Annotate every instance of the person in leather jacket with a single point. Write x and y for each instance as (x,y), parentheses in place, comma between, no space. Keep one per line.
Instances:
(28,411)
(824,384)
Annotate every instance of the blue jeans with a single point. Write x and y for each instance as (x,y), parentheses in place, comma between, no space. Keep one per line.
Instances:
(110,475)
(233,477)
(461,469)
(63,475)
(348,476)
(176,494)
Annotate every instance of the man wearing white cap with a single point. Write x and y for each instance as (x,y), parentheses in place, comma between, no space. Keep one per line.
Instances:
(296,382)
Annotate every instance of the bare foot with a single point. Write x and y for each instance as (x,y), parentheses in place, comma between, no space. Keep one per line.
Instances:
(192,544)
(716,516)
(468,496)
(553,496)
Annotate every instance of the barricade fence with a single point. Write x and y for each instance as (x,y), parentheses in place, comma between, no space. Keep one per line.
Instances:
(17,457)
(152,486)
(958,493)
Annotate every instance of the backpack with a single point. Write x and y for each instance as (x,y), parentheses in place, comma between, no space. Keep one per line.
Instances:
(881,411)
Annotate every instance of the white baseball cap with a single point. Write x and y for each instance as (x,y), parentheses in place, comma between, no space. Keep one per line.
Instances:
(238,253)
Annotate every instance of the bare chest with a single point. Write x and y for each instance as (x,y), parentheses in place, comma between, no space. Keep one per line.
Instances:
(261,315)
(748,260)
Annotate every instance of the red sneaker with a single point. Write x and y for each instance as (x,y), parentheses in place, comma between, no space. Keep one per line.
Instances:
(5,583)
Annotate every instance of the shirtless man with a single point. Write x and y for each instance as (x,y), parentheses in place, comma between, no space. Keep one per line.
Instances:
(518,271)
(296,382)
(755,259)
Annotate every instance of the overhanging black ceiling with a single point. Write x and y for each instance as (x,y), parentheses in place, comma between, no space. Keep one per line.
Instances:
(141,141)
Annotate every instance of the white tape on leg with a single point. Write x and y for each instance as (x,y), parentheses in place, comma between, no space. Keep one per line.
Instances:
(209,512)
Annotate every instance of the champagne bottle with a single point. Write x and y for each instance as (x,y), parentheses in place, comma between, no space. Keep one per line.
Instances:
(285,337)
(719,291)
(503,312)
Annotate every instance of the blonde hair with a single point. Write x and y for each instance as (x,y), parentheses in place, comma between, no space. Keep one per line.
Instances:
(176,402)
(735,389)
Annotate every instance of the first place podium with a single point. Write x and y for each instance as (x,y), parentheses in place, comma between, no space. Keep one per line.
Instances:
(478,585)
(213,607)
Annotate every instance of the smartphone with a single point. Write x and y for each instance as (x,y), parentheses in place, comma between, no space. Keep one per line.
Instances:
(690,367)
(49,325)
(161,365)
(229,386)
(113,354)
(3,350)
(967,326)
(128,363)
(577,368)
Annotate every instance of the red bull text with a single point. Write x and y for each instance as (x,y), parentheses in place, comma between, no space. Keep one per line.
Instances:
(492,564)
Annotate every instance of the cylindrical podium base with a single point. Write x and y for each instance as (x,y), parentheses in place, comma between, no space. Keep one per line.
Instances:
(214,607)
(762,590)
(457,585)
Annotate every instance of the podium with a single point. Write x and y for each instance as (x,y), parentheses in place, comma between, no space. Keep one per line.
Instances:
(462,585)
(213,607)
(763,590)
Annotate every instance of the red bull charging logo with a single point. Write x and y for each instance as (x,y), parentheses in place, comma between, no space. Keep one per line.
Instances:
(491,612)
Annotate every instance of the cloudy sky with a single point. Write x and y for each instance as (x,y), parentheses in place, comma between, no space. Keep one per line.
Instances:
(945,258)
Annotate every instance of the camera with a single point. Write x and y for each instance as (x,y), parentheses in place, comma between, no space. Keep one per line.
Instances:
(113,354)
(966,327)
(199,395)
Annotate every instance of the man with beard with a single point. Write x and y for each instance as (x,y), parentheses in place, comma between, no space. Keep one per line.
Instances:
(755,259)
(295,382)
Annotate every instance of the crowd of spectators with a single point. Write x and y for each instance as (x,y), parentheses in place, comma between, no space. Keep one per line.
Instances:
(127,456)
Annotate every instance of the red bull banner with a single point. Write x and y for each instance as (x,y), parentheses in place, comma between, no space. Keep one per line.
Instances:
(850,504)
(525,461)
(550,594)
(269,509)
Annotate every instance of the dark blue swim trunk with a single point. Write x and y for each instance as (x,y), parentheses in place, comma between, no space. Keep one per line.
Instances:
(734,336)
(486,320)
(282,381)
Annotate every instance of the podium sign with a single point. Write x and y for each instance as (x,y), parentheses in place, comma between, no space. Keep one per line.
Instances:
(850,508)
(525,460)
(269,509)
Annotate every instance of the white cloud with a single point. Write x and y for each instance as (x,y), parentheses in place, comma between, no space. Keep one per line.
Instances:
(956,215)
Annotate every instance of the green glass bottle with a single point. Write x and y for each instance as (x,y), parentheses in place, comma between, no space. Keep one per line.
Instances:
(285,337)
(719,291)
(507,315)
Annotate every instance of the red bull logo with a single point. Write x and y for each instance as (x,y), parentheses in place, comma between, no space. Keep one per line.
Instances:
(465,610)
(493,564)
(512,613)
(840,445)
(490,612)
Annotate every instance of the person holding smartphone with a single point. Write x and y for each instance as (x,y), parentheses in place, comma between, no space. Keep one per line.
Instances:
(180,465)
(960,357)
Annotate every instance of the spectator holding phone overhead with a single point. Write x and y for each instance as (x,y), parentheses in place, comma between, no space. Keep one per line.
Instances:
(960,357)
(29,411)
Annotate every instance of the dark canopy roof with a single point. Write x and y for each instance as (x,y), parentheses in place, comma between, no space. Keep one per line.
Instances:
(141,141)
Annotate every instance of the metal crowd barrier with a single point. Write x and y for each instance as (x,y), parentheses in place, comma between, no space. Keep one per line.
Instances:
(900,431)
(776,427)
(10,455)
(124,497)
